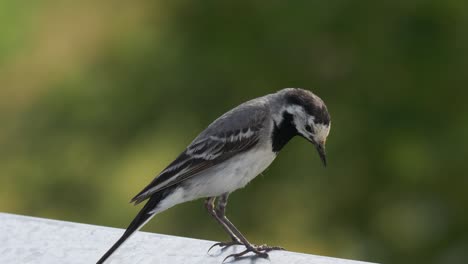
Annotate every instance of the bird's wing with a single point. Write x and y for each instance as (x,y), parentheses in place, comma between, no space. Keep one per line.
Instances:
(235,132)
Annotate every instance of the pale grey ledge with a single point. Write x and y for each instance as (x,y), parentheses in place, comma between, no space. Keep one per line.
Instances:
(26,239)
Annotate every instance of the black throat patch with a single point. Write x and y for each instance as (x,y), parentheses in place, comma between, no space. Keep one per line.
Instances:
(283,132)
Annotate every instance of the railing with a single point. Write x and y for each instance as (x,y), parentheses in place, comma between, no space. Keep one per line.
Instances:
(26,239)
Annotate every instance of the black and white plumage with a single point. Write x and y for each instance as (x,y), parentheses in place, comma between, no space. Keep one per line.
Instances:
(229,153)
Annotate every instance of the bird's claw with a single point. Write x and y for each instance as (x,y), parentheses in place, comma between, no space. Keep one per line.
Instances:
(267,248)
(237,256)
(225,245)
(260,251)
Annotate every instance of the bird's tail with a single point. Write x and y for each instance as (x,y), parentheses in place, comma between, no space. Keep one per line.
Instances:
(142,217)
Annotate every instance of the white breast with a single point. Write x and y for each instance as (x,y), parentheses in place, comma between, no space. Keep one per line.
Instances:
(226,177)
(241,169)
(233,174)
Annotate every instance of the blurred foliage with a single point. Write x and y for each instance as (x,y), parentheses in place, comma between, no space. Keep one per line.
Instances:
(97,97)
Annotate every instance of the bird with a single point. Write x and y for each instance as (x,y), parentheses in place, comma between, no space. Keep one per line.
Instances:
(228,154)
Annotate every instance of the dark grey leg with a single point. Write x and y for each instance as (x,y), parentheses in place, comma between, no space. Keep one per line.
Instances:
(220,212)
(258,250)
(209,205)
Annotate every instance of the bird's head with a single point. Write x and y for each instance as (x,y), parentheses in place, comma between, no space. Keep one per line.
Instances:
(308,116)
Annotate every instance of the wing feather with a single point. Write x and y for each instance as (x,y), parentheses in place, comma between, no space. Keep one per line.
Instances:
(208,150)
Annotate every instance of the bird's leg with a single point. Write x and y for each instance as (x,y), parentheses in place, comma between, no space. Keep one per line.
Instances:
(219,213)
(209,204)
(260,251)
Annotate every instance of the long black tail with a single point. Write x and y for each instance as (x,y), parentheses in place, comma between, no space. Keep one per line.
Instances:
(137,222)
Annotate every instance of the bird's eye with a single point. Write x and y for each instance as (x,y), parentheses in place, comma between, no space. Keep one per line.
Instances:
(308,128)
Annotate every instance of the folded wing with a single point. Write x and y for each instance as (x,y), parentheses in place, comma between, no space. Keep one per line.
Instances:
(235,132)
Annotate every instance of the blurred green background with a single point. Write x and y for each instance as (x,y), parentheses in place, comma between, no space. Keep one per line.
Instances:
(97,97)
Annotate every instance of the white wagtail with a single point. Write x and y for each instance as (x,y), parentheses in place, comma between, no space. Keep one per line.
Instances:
(227,155)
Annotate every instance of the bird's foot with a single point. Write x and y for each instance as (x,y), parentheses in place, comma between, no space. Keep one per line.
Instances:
(260,251)
(225,245)
(267,248)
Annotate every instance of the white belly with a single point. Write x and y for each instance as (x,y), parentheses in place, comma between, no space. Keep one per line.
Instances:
(227,177)
(235,173)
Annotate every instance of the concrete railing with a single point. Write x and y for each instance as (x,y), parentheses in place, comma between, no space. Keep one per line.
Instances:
(26,239)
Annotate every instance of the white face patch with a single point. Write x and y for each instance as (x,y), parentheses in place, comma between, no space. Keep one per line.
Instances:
(302,120)
(321,132)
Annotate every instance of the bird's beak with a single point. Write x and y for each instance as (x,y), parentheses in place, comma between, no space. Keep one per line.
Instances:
(321,151)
